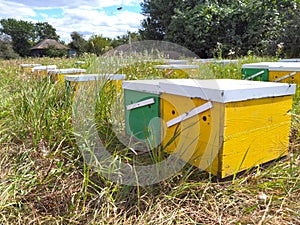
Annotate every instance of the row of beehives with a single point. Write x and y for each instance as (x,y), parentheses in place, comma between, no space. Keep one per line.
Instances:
(51,71)
(282,71)
(223,126)
(287,70)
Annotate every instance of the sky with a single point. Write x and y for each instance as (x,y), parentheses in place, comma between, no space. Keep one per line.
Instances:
(87,17)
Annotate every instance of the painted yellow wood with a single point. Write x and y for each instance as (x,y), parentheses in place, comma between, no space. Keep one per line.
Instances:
(192,139)
(274,75)
(60,77)
(110,84)
(40,73)
(230,137)
(181,73)
(27,69)
(255,132)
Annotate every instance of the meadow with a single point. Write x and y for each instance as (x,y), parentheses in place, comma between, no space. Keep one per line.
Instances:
(45,180)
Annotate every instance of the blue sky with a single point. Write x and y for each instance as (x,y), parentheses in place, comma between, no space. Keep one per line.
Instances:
(87,17)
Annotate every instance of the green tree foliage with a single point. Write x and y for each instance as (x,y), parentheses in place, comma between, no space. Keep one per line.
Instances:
(220,28)
(21,33)
(78,43)
(158,18)
(98,44)
(45,30)
(25,35)
(125,39)
(6,48)
(52,51)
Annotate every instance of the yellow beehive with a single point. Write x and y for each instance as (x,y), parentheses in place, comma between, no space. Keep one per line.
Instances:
(43,70)
(179,71)
(27,68)
(288,72)
(226,126)
(74,81)
(59,74)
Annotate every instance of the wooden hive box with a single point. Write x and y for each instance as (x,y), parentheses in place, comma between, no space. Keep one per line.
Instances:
(226,126)
(142,110)
(287,73)
(43,70)
(58,75)
(75,81)
(179,70)
(27,68)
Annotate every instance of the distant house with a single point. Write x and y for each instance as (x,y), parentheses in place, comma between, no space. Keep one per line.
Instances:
(41,48)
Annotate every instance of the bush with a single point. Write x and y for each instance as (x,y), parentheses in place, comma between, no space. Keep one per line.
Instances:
(6,49)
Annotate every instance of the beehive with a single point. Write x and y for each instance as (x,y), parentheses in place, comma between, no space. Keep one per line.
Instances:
(287,73)
(179,71)
(27,68)
(142,110)
(43,70)
(226,126)
(58,75)
(257,71)
(74,81)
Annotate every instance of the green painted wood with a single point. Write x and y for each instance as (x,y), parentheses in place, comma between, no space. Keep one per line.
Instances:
(143,122)
(247,72)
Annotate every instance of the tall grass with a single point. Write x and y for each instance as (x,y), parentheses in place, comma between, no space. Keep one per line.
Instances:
(44,180)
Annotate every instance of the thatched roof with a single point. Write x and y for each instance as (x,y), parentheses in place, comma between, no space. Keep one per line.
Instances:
(48,42)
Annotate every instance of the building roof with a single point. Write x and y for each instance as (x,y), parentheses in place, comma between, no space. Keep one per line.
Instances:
(49,42)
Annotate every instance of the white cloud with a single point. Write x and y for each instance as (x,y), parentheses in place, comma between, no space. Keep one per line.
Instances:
(74,3)
(15,10)
(93,22)
(84,16)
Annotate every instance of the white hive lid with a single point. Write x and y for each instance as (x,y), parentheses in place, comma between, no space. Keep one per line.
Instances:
(225,90)
(147,86)
(48,67)
(176,66)
(94,77)
(29,65)
(288,66)
(290,60)
(68,71)
(176,61)
(260,65)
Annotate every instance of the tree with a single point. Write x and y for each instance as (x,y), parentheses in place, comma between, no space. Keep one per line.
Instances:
(45,30)
(52,51)
(219,27)
(125,39)
(21,33)
(6,48)
(78,43)
(158,17)
(98,44)
(25,34)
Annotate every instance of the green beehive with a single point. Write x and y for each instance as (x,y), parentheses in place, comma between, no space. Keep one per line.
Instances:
(256,71)
(142,110)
